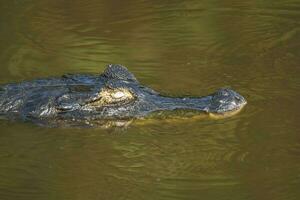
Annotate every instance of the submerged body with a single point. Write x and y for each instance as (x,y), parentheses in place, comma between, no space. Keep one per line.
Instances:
(113,95)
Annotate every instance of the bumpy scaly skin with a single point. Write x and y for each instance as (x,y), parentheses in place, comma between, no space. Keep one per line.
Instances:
(115,94)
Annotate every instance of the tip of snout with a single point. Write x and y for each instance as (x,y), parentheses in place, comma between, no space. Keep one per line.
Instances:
(226,101)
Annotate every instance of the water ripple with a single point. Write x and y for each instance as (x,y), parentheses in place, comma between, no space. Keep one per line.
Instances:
(177,48)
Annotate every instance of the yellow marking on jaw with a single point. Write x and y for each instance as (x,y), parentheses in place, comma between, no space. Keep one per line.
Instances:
(225,115)
(185,119)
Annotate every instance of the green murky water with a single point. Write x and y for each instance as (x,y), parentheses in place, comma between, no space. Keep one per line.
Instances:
(176,47)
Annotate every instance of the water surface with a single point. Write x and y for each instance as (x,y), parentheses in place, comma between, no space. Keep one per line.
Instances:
(177,48)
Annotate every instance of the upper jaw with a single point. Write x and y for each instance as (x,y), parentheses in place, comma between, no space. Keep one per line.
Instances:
(222,101)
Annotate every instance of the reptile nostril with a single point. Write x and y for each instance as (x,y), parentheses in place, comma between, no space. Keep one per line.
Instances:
(238,98)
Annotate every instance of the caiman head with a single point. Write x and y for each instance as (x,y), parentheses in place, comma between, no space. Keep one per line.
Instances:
(116,94)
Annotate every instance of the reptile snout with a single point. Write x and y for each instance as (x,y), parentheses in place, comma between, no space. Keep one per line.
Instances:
(225,100)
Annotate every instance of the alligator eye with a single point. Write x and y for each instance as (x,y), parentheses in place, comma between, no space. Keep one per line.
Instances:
(118,95)
(108,97)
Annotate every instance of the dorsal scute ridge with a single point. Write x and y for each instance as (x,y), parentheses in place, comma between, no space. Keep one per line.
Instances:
(117,71)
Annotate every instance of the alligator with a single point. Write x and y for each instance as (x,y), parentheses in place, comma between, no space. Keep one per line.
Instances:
(113,95)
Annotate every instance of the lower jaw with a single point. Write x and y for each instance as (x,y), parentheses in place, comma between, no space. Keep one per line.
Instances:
(225,114)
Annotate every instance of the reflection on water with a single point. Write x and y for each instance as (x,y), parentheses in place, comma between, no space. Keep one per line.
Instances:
(179,48)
